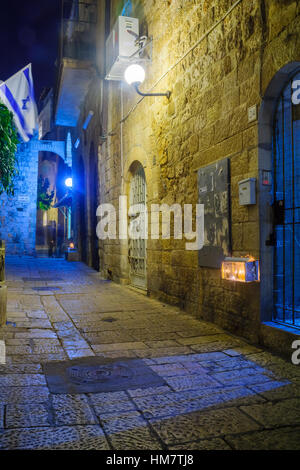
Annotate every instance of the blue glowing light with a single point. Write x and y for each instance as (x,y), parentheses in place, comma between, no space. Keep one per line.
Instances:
(69,182)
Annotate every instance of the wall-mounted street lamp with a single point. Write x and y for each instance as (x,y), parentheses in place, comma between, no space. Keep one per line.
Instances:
(135,75)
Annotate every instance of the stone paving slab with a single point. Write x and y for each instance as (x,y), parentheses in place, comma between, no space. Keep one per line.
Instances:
(20,369)
(111,408)
(213,444)
(108,337)
(122,421)
(24,395)
(140,438)
(276,439)
(217,391)
(107,398)
(65,437)
(72,410)
(144,334)
(191,382)
(225,399)
(36,333)
(277,390)
(270,415)
(211,346)
(143,392)
(118,346)
(158,352)
(74,353)
(197,399)
(169,370)
(37,358)
(117,354)
(193,426)
(16,380)
(24,415)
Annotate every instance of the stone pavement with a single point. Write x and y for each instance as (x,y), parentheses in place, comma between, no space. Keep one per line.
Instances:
(219,392)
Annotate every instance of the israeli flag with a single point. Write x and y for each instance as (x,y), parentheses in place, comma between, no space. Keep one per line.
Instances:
(17,93)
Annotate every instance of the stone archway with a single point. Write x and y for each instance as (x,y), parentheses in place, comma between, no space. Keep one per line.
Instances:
(55,146)
(137,248)
(135,156)
(265,136)
(51,225)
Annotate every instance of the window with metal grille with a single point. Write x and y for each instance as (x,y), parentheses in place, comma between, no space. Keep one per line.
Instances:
(286,203)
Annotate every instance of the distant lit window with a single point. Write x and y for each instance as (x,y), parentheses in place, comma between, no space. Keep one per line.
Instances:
(45,219)
(69,150)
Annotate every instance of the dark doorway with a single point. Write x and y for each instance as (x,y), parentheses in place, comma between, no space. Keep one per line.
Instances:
(93,201)
(81,187)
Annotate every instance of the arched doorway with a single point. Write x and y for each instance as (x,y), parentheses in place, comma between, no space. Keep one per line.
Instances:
(137,248)
(51,227)
(286,206)
(279,137)
(93,204)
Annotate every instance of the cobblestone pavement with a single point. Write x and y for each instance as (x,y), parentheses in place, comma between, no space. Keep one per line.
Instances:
(219,392)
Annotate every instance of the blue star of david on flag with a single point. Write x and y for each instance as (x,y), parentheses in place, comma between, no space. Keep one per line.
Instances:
(17,93)
(25,102)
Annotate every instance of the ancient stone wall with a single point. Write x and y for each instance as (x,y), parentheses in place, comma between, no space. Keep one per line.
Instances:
(18,212)
(217,59)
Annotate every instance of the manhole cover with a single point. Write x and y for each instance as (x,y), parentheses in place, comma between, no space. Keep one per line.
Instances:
(47,288)
(98,374)
(95,374)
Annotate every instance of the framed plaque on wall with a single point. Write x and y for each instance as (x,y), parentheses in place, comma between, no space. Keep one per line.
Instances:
(214,193)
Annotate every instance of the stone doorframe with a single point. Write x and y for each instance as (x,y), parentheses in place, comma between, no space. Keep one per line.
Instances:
(265,136)
(137,156)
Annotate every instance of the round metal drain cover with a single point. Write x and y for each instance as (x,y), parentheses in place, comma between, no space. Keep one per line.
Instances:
(96,374)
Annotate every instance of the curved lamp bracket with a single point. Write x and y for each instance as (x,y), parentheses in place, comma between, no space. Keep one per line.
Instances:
(136,87)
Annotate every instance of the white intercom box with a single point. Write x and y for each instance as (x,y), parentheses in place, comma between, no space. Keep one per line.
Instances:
(247,191)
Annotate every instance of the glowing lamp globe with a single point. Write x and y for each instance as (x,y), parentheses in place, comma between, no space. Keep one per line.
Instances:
(69,182)
(134,74)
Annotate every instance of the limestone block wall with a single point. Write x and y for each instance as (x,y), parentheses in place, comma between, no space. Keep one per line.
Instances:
(217,62)
(18,212)
(85,161)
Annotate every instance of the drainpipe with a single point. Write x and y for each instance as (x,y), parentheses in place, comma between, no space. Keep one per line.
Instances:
(121,140)
(123,242)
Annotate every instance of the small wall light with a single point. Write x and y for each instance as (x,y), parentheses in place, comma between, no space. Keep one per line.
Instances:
(135,75)
(240,269)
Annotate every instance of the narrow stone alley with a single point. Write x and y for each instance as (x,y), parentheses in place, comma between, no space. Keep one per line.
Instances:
(148,376)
